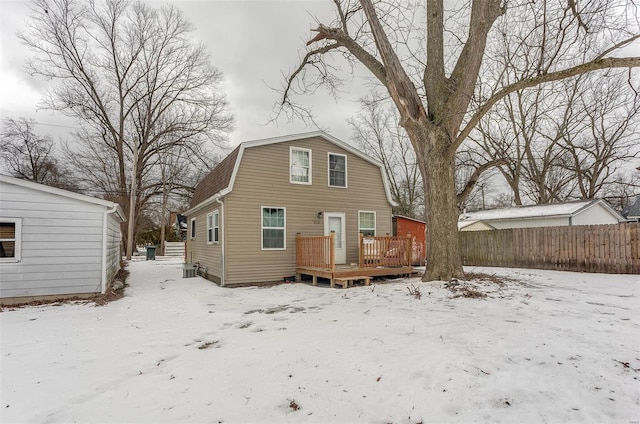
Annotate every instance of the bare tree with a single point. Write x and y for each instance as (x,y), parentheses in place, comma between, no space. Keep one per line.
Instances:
(564,140)
(434,103)
(376,131)
(526,130)
(25,154)
(29,156)
(176,177)
(607,136)
(134,80)
(623,190)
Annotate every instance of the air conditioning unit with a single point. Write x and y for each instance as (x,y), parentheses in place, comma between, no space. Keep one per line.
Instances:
(188,271)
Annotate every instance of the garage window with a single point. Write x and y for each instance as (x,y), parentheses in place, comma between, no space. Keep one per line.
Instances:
(10,236)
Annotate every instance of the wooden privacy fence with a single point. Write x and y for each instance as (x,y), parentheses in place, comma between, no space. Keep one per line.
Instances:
(613,249)
(316,251)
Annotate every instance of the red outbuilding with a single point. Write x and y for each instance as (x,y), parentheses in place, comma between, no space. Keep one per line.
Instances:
(403,225)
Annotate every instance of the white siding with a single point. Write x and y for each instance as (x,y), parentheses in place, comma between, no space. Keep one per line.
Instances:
(113,247)
(61,244)
(527,223)
(595,215)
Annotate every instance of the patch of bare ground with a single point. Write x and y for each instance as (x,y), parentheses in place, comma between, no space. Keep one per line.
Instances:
(493,278)
(478,285)
(205,345)
(114,292)
(464,289)
(293,405)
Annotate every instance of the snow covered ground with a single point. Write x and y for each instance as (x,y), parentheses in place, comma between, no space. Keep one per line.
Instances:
(551,347)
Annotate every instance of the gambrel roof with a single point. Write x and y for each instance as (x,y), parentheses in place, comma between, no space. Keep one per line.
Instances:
(219,182)
(216,180)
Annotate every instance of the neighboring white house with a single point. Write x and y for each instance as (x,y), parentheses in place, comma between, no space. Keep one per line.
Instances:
(473,225)
(586,212)
(55,242)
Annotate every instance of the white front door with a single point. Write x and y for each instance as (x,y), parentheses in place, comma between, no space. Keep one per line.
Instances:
(334,221)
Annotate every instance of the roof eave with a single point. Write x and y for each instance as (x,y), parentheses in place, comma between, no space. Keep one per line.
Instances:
(207,202)
(57,191)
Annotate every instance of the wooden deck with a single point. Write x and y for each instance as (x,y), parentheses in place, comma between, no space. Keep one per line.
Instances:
(344,271)
(378,257)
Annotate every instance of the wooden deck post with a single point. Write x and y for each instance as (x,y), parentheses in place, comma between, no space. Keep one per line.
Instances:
(361,251)
(298,250)
(332,251)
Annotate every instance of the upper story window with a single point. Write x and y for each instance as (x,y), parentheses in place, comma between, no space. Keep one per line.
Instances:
(337,170)
(273,228)
(10,238)
(299,165)
(367,223)
(192,229)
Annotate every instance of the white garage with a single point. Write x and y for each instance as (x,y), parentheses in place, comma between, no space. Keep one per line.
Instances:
(54,242)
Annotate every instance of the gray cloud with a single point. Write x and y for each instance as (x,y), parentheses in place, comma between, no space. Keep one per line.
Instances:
(252,42)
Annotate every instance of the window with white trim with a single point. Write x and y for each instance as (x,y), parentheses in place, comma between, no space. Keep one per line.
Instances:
(273,228)
(367,223)
(192,232)
(210,228)
(337,170)
(299,165)
(216,227)
(10,239)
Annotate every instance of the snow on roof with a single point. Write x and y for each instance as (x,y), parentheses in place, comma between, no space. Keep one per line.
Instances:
(409,218)
(534,211)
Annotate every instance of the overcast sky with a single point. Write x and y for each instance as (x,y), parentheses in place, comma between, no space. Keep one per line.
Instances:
(252,42)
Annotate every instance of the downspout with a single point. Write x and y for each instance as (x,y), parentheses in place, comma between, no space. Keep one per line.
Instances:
(105,216)
(221,224)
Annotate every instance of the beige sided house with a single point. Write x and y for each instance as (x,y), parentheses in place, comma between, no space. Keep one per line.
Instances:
(246,214)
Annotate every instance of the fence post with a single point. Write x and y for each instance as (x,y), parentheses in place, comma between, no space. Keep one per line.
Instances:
(409,251)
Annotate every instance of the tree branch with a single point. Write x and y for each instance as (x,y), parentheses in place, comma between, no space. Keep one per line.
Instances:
(595,65)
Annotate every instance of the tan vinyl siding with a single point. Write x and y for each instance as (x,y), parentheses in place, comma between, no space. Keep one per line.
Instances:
(263,180)
(198,250)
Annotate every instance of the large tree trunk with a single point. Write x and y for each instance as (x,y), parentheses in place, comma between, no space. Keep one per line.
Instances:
(441,209)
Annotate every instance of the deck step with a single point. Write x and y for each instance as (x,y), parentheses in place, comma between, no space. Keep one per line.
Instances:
(349,281)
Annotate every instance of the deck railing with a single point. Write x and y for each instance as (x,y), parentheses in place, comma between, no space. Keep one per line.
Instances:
(385,251)
(316,251)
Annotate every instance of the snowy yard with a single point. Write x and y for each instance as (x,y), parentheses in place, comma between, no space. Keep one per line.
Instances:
(552,347)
